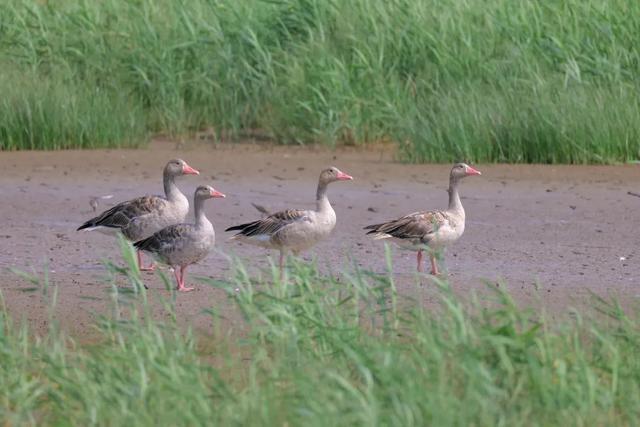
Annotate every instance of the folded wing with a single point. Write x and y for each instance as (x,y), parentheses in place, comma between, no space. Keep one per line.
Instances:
(121,215)
(165,241)
(271,224)
(415,226)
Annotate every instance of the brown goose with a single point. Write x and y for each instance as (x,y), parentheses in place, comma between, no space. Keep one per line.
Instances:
(139,218)
(294,229)
(181,245)
(430,230)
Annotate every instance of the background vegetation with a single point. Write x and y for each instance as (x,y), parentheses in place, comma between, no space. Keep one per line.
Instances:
(497,80)
(318,350)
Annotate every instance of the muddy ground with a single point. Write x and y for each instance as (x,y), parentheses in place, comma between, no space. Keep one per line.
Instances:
(552,234)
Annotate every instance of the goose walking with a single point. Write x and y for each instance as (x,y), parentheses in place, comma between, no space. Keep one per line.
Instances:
(141,217)
(430,230)
(181,245)
(294,229)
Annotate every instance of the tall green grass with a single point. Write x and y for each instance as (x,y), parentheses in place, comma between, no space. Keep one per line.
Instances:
(51,114)
(498,80)
(322,350)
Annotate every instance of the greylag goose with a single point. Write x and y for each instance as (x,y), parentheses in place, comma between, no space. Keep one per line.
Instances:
(432,230)
(181,245)
(139,218)
(294,229)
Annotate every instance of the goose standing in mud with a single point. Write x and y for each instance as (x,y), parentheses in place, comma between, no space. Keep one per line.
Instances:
(139,218)
(430,230)
(294,229)
(181,245)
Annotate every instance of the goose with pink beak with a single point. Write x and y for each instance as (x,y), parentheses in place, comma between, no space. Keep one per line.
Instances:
(294,230)
(429,230)
(181,245)
(139,218)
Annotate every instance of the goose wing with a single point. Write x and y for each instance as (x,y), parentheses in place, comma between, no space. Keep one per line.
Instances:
(121,215)
(271,224)
(415,226)
(165,241)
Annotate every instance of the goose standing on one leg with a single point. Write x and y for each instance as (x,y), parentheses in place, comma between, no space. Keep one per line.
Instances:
(295,229)
(430,230)
(181,245)
(139,218)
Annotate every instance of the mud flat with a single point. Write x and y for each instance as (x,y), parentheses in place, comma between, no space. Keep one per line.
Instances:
(551,234)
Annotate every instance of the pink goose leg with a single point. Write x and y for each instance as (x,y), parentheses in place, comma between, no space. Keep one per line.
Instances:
(434,266)
(181,286)
(419,259)
(141,266)
(176,273)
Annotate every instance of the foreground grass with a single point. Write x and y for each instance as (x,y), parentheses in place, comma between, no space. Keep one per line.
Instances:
(320,350)
(498,80)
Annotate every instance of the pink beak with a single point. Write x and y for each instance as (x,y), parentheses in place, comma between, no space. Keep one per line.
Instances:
(472,171)
(343,176)
(188,170)
(217,194)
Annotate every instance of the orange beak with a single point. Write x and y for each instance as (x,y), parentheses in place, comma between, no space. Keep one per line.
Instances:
(216,194)
(472,171)
(188,170)
(343,176)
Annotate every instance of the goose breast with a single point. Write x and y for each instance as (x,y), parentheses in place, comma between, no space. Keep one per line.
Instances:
(306,231)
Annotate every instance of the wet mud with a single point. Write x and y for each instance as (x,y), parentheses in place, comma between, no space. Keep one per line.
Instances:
(552,235)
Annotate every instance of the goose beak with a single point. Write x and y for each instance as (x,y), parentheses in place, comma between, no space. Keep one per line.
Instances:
(216,194)
(188,170)
(472,171)
(341,176)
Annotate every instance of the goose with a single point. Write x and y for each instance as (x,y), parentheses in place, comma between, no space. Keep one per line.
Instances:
(430,230)
(294,229)
(181,245)
(139,218)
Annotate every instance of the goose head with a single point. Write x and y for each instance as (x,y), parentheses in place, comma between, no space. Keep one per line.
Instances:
(462,170)
(205,192)
(333,174)
(178,167)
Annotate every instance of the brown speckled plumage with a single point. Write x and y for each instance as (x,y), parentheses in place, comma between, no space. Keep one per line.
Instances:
(271,224)
(128,216)
(416,227)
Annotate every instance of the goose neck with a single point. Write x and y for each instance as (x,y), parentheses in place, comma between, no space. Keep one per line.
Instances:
(455,204)
(201,217)
(322,201)
(171,190)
